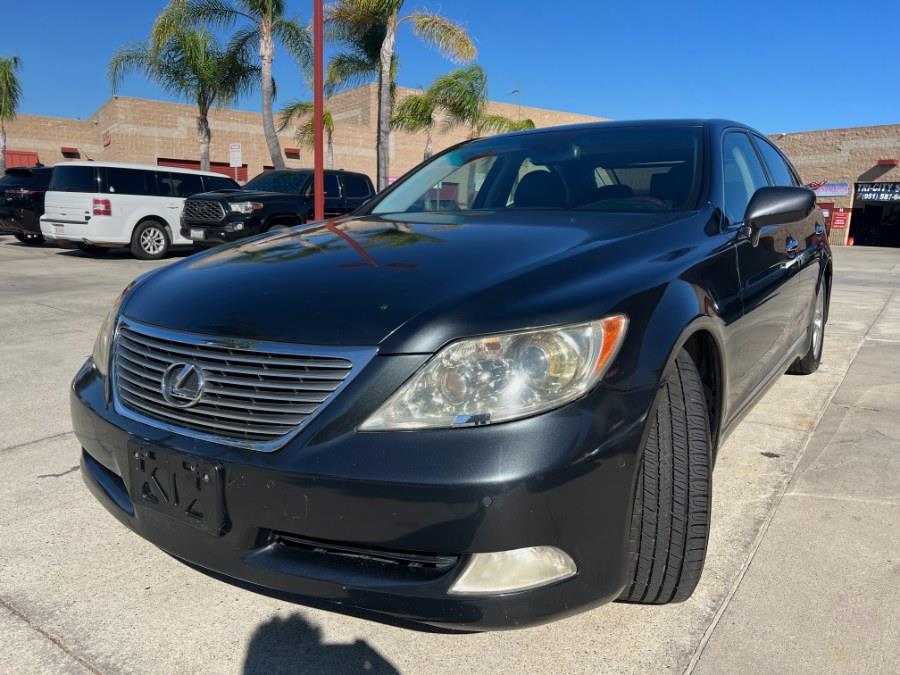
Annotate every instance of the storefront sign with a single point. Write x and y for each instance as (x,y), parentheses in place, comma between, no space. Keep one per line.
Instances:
(878,192)
(832,189)
(840,218)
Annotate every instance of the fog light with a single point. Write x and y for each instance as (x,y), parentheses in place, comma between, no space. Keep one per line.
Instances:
(518,570)
(239,227)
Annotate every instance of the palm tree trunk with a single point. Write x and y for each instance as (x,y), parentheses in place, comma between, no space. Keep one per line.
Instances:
(204,135)
(382,147)
(266,56)
(428,151)
(2,149)
(329,160)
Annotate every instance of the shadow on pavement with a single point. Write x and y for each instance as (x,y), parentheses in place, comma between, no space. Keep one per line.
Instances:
(294,645)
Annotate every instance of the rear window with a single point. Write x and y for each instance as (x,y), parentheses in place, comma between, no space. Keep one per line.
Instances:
(26,179)
(130,182)
(289,182)
(219,183)
(356,186)
(73,179)
(182,184)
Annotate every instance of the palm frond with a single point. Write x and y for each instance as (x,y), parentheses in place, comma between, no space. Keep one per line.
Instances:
(182,14)
(414,113)
(348,70)
(500,124)
(450,38)
(10,87)
(462,94)
(293,110)
(296,38)
(135,56)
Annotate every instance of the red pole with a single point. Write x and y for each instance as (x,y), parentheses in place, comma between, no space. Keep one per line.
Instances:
(318,109)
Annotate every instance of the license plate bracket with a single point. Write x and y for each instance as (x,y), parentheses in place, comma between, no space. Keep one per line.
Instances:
(186,488)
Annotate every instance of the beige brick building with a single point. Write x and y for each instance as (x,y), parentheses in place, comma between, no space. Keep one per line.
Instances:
(857,175)
(151,132)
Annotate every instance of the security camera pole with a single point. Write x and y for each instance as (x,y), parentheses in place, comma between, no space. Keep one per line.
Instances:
(318,110)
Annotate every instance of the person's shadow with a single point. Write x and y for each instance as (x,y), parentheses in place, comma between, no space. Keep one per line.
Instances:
(294,645)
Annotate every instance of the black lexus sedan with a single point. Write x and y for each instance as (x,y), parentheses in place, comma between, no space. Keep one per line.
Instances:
(491,397)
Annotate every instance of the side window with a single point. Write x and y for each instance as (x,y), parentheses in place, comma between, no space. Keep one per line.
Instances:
(73,179)
(778,169)
(332,187)
(185,184)
(744,175)
(130,182)
(356,187)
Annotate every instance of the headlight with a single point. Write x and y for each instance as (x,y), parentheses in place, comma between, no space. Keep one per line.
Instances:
(103,343)
(245,207)
(503,377)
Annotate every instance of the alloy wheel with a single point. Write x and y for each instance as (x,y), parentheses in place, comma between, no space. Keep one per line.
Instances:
(153,241)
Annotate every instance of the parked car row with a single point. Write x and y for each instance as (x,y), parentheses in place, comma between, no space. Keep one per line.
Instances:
(96,206)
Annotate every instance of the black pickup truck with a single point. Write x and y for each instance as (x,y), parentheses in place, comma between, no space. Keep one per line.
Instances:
(274,199)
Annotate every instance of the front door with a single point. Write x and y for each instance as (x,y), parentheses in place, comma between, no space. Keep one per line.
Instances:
(759,338)
(334,199)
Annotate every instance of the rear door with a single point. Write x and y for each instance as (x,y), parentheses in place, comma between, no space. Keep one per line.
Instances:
(760,337)
(334,197)
(357,190)
(68,204)
(177,187)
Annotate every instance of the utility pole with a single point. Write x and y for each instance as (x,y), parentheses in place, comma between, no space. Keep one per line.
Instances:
(318,110)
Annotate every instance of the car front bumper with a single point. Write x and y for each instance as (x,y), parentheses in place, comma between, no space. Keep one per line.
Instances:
(562,479)
(234,227)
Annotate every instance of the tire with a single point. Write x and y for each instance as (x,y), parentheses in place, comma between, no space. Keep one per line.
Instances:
(671,511)
(809,362)
(30,238)
(91,249)
(150,240)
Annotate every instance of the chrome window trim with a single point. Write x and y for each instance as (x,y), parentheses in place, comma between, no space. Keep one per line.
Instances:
(358,357)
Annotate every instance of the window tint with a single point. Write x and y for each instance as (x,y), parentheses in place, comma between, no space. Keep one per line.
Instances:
(744,175)
(356,186)
(26,179)
(624,169)
(332,188)
(219,183)
(778,168)
(289,182)
(73,179)
(180,184)
(130,182)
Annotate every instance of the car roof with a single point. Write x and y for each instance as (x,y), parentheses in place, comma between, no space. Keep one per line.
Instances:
(714,123)
(140,167)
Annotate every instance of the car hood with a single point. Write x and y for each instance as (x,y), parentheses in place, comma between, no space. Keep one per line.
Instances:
(386,281)
(237,195)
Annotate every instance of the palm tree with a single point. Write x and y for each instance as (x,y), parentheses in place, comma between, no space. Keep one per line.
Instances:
(463,95)
(191,65)
(263,23)
(365,24)
(306,134)
(10,95)
(415,113)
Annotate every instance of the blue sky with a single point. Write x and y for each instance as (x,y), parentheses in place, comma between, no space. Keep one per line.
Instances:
(779,66)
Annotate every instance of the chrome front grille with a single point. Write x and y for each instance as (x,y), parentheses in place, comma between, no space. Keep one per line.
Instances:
(203,211)
(245,393)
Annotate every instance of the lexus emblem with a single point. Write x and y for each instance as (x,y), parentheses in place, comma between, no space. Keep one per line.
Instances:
(182,384)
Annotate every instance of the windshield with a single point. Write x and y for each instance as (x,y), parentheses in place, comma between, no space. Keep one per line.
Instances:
(290,182)
(629,169)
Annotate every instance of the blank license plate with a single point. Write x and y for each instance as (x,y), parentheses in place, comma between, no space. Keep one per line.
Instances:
(197,233)
(186,488)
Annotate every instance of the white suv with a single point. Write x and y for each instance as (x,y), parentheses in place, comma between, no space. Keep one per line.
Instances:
(100,205)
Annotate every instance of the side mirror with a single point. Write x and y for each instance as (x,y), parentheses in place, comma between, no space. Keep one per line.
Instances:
(775,205)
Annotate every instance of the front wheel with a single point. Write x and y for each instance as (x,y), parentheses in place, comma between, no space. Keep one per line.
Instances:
(150,241)
(30,238)
(809,362)
(672,499)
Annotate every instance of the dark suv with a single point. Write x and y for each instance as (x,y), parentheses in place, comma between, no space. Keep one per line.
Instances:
(22,193)
(274,199)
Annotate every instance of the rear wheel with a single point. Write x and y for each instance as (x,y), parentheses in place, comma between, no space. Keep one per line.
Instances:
(91,249)
(809,362)
(150,240)
(670,518)
(30,238)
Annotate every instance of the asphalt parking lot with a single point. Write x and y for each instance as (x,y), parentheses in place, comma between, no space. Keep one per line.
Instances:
(803,571)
